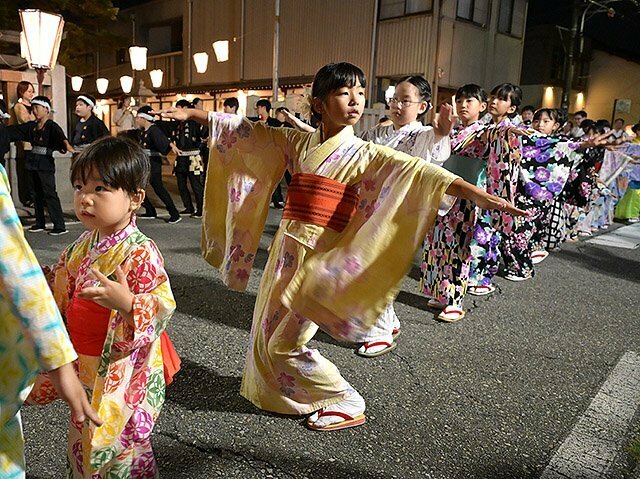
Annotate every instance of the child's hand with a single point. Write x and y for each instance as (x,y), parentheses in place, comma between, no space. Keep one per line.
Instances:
(180,114)
(110,294)
(446,120)
(491,202)
(68,385)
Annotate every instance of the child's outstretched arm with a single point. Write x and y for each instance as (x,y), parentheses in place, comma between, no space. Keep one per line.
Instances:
(480,197)
(183,114)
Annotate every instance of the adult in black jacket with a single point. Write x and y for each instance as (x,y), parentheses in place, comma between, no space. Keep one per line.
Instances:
(188,137)
(156,144)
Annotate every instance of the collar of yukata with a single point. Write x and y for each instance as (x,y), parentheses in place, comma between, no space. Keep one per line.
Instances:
(110,241)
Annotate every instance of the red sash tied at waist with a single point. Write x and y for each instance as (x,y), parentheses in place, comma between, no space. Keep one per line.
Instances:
(320,201)
(88,323)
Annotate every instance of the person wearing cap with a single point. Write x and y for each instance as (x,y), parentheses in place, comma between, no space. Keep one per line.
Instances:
(156,145)
(89,126)
(188,137)
(45,136)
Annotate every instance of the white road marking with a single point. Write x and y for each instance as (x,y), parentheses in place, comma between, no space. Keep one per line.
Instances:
(627,237)
(599,435)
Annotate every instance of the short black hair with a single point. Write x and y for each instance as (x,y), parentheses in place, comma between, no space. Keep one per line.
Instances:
(603,124)
(619,119)
(552,113)
(636,128)
(562,116)
(119,162)
(530,108)
(184,104)
(582,113)
(333,76)
(280,109)
(508,91)
(265,103)
(587,124)
(471,90)
(232,103)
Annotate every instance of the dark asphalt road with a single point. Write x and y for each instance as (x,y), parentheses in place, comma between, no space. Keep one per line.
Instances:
(490,397)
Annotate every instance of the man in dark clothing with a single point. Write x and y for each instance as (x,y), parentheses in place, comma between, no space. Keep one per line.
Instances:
(188,137)
(157,145)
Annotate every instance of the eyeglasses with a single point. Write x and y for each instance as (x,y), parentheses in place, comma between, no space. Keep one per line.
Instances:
(401,103)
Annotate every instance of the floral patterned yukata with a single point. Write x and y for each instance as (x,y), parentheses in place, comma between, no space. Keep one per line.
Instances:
(545,167)
(32,335)
(447,249)
(126,383)
(503,153)
(315,276)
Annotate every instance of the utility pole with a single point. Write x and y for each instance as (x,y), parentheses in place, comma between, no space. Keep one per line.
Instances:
(276,48)
(569,62)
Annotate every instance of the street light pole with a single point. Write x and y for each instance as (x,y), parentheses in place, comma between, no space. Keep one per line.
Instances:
(568,64)
(276,48)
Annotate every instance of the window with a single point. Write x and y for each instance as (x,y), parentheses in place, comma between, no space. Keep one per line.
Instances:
(400,8)
(511,17)
(476,11)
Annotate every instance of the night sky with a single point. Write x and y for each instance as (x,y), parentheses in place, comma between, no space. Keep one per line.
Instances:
(618,35)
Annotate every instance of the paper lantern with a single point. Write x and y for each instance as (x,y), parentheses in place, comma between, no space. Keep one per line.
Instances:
(221,49)
(156,78)
(102,84)
(138,57)
(201,60)
(76,83)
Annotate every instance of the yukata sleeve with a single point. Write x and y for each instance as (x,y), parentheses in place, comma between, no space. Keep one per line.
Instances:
(432,149)
(245,163)
(345,289)
(24,292)
(153,303)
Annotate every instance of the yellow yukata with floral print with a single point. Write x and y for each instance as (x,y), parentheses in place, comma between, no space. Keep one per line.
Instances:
(32,334)
(315,276)
(126,384)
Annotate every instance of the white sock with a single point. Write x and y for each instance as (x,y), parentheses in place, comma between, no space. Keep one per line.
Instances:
(353,406)
(378,347)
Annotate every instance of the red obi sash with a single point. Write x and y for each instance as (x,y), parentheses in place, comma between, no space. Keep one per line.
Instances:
(88,323)
(320,201)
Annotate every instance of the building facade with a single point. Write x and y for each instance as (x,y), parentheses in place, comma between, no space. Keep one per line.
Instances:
(450,42)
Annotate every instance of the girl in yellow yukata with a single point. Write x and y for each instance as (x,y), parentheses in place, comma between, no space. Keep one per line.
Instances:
(114,291)
(355,214)
(32,338)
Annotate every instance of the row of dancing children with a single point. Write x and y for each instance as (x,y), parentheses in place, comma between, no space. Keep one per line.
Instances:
(111,287)
(527,166)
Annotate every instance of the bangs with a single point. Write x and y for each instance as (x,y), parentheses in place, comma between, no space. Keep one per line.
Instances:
(471,90)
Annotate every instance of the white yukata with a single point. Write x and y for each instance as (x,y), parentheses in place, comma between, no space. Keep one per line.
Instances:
(419,140)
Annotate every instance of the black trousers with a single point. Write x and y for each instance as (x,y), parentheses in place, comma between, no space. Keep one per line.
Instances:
(44,185)
(25,187)
(196,186)
(159,189)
